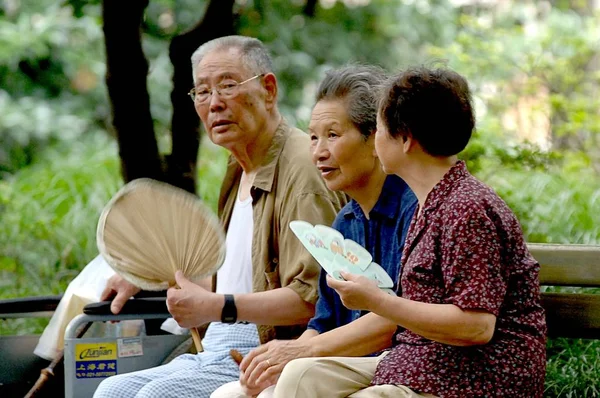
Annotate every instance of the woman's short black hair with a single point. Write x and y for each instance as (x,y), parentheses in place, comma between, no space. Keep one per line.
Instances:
(433,106)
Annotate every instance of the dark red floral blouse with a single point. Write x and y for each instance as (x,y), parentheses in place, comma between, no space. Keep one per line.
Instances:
(467,249)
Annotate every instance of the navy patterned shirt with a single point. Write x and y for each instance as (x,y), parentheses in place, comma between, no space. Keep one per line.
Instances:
(383,235)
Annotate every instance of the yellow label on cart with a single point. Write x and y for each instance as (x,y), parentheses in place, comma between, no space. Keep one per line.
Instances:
(95,351)
(95,360)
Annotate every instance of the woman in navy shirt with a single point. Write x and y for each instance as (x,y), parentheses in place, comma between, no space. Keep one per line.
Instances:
(342,130)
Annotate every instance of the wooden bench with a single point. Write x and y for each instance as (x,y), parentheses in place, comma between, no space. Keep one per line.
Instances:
(570,314)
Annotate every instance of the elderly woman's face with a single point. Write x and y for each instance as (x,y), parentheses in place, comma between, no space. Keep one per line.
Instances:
(345,159)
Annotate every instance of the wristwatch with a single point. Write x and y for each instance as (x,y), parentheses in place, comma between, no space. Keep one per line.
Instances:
(229,313)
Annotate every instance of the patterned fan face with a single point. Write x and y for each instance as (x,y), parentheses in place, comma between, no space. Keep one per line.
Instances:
(149,230)
(334,253)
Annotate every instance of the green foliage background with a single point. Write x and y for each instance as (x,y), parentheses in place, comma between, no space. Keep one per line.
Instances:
(59,162)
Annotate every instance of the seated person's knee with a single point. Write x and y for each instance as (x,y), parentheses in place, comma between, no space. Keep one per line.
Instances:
(298,368)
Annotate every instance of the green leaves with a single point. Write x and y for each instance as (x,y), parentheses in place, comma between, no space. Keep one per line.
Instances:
(50,68)
(533,71)
(49,211)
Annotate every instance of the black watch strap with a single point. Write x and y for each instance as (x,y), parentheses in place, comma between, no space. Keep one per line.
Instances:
(229,313)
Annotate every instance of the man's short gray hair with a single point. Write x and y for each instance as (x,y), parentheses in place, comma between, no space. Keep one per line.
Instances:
(254,55)
(358,86)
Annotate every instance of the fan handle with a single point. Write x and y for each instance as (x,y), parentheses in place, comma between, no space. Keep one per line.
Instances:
(197,340)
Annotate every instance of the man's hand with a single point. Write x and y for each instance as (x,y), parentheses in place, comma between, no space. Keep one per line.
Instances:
(121,290)
(263,365)
(356,292)
(192,305)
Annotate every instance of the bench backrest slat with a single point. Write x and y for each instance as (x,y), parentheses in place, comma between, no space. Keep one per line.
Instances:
(574,315)
(567,265)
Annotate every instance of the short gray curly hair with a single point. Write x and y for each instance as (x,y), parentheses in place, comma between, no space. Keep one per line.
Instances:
(358,86)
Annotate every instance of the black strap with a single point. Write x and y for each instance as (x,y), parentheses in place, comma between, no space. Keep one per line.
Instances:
(229,313)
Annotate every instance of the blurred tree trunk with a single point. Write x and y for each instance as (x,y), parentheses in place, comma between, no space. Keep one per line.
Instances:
(126,73)
(310,8)
(181,163)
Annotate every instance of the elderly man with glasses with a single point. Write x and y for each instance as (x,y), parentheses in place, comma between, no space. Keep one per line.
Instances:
(267,285)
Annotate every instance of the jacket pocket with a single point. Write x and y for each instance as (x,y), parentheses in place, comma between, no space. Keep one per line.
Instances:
(272,277)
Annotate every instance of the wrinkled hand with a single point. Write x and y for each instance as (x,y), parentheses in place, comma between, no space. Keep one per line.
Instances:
(356,292)
(121,290)
(256,389)
(263,365)
(192,305)
(248,392)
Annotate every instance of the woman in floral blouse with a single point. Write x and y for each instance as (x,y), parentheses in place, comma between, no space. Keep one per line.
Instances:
(471,323)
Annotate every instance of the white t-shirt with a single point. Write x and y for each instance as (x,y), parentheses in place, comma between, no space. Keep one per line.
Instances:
(235,275)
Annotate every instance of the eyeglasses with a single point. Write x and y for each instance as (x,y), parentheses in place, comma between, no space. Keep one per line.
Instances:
(226,90)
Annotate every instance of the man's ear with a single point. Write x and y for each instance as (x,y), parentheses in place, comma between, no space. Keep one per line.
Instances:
(270,84)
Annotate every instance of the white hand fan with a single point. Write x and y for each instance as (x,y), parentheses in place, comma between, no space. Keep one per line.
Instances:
(335,254)
(149,230)
(315,244)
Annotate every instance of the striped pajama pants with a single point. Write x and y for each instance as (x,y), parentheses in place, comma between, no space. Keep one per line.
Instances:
(188,375)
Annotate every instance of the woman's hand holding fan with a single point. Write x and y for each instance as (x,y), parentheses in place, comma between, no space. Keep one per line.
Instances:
(150,230)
